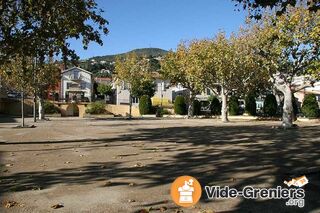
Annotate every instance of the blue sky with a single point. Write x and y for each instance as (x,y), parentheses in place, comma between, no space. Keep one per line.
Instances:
(161,23)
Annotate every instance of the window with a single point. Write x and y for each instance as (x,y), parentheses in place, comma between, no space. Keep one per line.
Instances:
(208,91)
(135,100)
(76,74)
(83,85)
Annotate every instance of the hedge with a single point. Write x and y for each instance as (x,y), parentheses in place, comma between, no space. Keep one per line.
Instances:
(310,107)
(270,105)
(145,105)
(180,106)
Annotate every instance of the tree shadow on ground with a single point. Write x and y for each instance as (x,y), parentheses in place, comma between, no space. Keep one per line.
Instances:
(237,156)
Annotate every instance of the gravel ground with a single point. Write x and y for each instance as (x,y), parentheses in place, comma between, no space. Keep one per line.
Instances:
(119,165)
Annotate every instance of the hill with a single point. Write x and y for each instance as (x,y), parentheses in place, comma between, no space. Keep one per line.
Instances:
(103,66)
(140,52)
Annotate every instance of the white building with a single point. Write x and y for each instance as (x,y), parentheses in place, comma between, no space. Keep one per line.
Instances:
(165,93)
(76,84)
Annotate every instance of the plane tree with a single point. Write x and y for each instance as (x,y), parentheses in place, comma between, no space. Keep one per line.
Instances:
(181,67)
(135,74)
(43,29)
(229,64)
(288,46)
(257,7)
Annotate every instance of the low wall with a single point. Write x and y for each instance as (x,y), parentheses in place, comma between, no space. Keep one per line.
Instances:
(122,110)
(13,106)
(72,109)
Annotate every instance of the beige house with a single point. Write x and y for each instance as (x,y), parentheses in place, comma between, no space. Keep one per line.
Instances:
(299,95)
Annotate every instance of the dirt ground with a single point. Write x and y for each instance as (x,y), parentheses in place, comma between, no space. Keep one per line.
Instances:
(127,165)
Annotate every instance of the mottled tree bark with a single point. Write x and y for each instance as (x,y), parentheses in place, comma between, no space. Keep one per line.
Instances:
(285,89)
(41,109)
(224,108)
(190,107)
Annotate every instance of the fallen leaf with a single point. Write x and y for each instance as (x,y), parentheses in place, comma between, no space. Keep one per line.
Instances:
(206,211)
(142,211)
(57,206)
(138,165)
(108,183)
(163,208)
(131,201)
(132,184)
(10,203)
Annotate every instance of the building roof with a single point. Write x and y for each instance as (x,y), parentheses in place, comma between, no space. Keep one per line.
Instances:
(83,70)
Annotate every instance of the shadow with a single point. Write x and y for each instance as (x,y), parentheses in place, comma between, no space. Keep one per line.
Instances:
(231,155)
(7,119)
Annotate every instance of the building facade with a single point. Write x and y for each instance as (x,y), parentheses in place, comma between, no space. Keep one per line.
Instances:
(76,85)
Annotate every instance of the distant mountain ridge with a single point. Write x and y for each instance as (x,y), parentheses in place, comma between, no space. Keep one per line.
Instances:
(140,52)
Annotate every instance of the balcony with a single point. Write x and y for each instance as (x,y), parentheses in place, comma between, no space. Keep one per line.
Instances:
(75,77)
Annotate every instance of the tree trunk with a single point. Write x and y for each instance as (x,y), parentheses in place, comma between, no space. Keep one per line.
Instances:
(130,106)
(287,115)
(224,108)
(41,109)
(284,88)
(190,107)
(22,108)
(34,108)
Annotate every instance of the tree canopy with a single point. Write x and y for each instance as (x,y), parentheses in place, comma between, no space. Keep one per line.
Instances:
(257,7)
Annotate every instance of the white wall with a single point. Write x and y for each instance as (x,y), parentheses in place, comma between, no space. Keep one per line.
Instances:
(86,78)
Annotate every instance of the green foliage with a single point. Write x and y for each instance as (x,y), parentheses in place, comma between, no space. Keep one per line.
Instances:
(50,108)
(215,105)
(180,107)
(105,89)
(196,107)
(270,105)
(250,102)
(145,105)
(310,107)
(257,7)
(96,108)
(143,87)
(45,29)
(233,105)
(136,73)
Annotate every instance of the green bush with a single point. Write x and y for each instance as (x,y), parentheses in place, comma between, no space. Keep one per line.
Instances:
(251,107)
(215,105)
(310,107)
(196,107)
(233,105)
(145,105)
(180,106)
(50,108)
(270,105)
(97,107)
